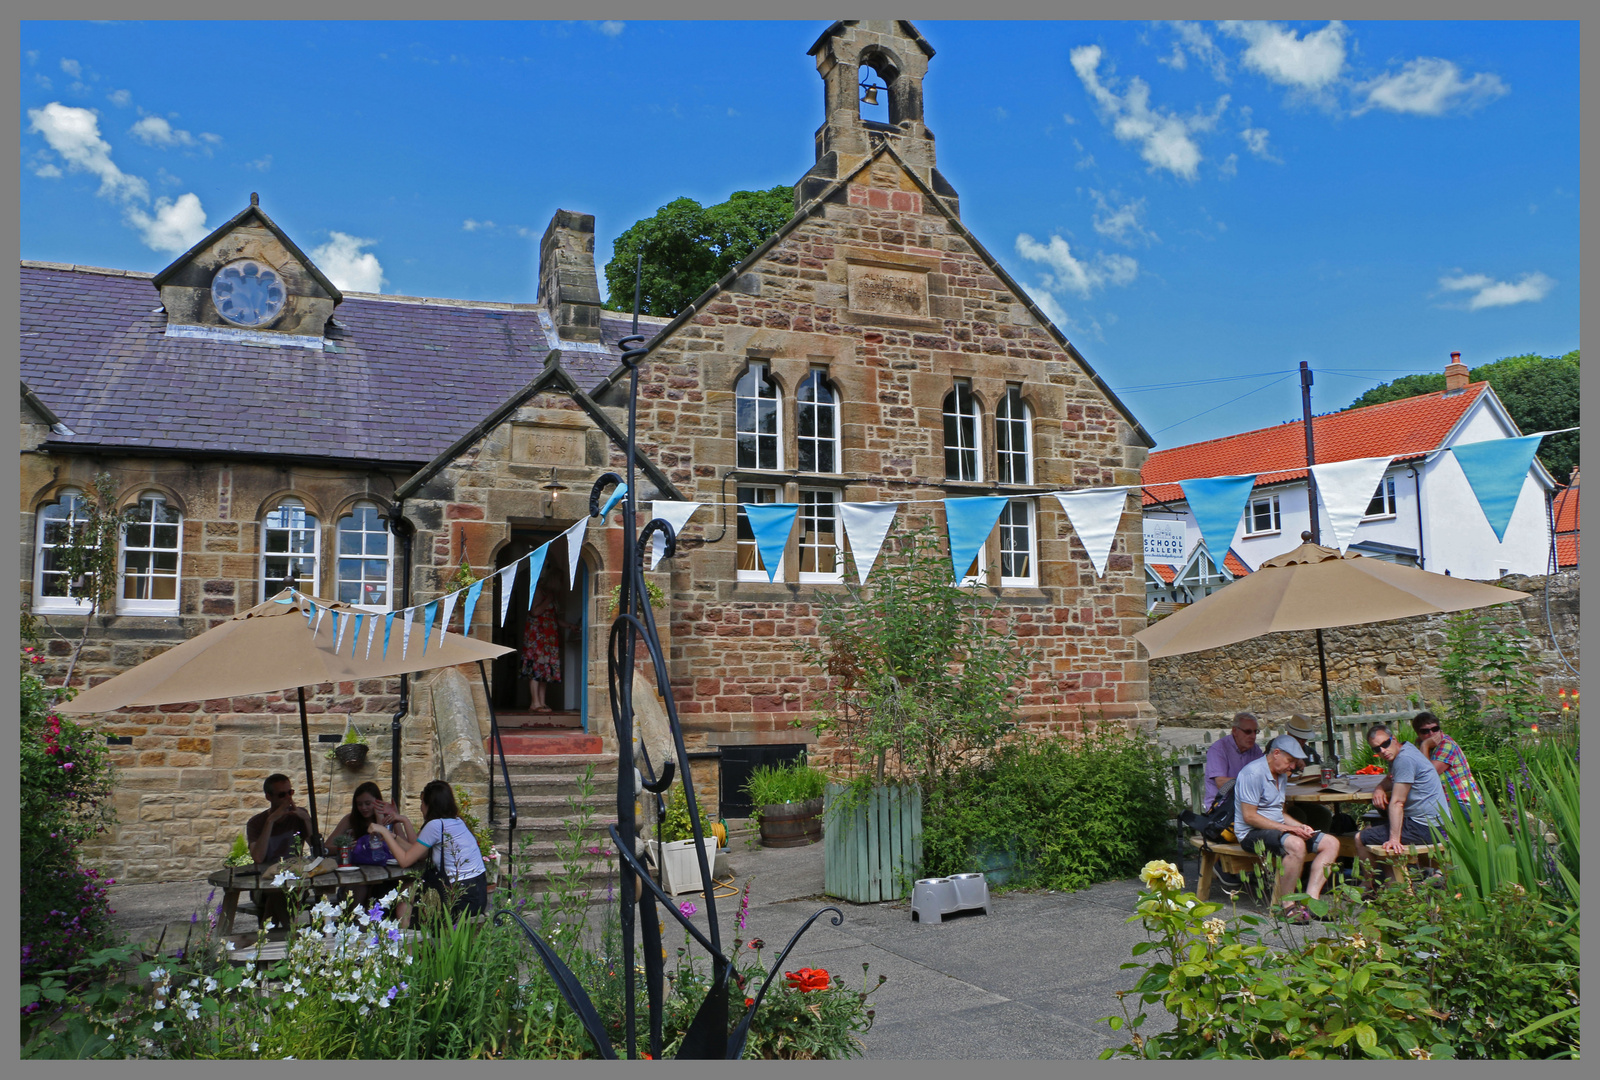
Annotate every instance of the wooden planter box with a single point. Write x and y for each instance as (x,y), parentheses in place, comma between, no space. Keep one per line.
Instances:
(874,851)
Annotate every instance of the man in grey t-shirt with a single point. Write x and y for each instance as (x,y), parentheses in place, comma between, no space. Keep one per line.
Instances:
(1262,825)
(1411,794)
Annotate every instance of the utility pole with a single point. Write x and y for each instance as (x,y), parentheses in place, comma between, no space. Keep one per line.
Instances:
(1311,449)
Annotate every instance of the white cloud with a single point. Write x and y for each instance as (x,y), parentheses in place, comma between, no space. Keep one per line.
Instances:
(1310,63)
(1255,140)
(1121,223)
(33,56)
(1177,61)
(46,170)
(1430,86)
(611,27)
(473,226)
(73,68)
(75,134)
(346,265)
(43,81)
(1163,136)
(1192,40)
(156,131)
(1229,167)
(176,226)
(260,164)
(1487,292)
(120,98)
(213,138)
(1080,276)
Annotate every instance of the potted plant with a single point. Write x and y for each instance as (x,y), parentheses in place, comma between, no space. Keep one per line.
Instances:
(352,752)
(923,675)
(788,803)
(674,853)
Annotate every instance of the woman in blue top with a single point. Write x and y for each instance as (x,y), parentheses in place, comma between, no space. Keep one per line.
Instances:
(457,871)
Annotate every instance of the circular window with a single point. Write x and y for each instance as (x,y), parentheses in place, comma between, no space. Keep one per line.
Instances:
(248,292)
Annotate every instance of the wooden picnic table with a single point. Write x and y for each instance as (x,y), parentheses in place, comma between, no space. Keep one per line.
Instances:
(233,880)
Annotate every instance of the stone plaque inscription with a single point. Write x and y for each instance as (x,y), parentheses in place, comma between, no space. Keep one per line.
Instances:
(889,292)
(540,444)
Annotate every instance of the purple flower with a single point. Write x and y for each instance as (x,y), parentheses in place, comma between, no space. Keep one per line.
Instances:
(376,912)
(687,909)
(394,992)
(394,935)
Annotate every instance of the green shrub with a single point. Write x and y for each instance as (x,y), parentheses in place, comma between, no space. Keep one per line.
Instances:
(1068,813)
(675,823)
(790,782)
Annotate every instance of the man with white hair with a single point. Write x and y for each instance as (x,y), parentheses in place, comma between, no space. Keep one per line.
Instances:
(1262,824)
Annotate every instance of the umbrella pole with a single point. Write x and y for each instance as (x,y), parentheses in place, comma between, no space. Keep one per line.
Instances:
(311,782)
(1327,703)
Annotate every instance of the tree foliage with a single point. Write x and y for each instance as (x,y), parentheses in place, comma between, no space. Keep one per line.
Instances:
(687,247)
(1540,393)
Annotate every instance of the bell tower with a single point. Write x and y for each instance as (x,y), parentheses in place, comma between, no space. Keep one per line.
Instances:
(889,52)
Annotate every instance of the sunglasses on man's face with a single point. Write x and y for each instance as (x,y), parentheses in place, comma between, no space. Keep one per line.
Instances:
(1384,745)
(1427,730)
(284,794)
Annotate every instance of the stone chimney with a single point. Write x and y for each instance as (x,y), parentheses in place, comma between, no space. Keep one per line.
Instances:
(568,287)
(1455,375)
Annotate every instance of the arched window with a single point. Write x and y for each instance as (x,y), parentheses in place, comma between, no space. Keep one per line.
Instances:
(819,425)
(961,455)
(756,404)
(364,575)
(151,547)
(289,549)
(1013,438)
(52,587)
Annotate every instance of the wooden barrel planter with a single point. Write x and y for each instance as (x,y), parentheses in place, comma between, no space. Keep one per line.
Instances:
(791,824)
(874,847)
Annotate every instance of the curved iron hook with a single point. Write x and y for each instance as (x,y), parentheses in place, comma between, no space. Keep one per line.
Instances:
(660,526)
(606,480)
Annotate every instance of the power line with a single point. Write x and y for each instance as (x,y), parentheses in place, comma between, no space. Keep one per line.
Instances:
(1214,408)
(1195,382)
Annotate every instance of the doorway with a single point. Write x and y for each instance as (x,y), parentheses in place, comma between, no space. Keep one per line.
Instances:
(565,693)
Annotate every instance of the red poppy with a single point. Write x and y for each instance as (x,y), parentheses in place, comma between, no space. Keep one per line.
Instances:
(749,1002)
(808,979)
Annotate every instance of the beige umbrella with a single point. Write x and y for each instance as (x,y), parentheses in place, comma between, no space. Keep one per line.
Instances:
(274,646)
(1312,588)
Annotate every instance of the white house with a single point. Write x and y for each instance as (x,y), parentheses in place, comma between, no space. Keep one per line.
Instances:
(1423,512)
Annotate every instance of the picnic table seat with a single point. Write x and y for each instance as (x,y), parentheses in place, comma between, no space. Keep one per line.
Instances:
(1234,859)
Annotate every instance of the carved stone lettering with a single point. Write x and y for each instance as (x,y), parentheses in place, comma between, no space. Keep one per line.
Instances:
(890,292)
(537,444)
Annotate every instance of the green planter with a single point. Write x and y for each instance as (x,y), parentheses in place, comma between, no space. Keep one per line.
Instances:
(873,850)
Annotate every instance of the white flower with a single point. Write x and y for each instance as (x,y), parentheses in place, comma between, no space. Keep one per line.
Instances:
(158,974)
(254,1047)
(363,1010)
(383,1003)
(158,1025)
(192,1013)
(161,1003)
(211,984)
(286,876)
(228,945)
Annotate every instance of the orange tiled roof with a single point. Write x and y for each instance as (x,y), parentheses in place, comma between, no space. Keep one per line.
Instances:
(1169,573)
(1567,550)
(1165,571)
(1566,508)
(1408,428)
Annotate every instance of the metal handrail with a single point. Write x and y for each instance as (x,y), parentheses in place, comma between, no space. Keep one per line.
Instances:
(498,749)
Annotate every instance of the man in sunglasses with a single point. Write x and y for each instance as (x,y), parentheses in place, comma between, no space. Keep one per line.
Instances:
(1449,761)
(1411,795)
(271,832)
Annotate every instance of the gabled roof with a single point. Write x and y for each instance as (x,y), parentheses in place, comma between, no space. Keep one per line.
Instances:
(905,25)
(1169,573)
(397,381)
(1406,429)
(249,212)
(955,225)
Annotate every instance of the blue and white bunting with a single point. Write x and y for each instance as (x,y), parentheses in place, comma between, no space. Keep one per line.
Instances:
(472,602)
(339,625)
(405,630)
(535,570)
(508,581)
(674,513)
(1217,503)
(968,522)
(429,613)
(355,634)
(866,524)
(444,620)
(388,621)
(618,493)
(372,630)
(1345,490)
(771,523)
(1495,470)
(575,537)
(1094,516)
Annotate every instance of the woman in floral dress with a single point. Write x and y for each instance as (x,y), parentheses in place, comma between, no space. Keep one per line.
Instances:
(541,650)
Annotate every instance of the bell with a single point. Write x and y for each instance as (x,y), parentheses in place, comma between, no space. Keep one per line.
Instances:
(871,95)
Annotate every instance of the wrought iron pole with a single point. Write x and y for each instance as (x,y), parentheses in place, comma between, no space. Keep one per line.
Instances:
(1314,534)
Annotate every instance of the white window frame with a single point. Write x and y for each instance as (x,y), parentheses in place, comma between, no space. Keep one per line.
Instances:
(1008,527)
(758,493)
(314,530)
(1008,430)
(1275,510)
(760,373)
(963,386)
(818,496)
(138,606)
(340,558)
(74,498)
(820,410)
(1385,492)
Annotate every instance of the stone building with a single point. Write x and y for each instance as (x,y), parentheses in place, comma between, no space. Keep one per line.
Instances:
(872,350)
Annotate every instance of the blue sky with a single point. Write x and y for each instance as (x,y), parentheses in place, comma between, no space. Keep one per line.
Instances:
(1192,202)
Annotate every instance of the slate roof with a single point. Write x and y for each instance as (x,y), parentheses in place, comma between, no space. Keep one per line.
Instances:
(402,378)
(1404,429)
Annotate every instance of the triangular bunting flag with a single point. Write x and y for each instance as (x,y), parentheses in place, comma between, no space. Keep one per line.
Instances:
(618,493)
(429,613)
(1345,489)
(969,523)
(1217,503)
(449,609)
(355,636)
(575,537)
(472,601)
(405,630)
(372,630)
(674,513)
(1094,516)
(536,570)
(388,621)
(508,581)
(321,611)
(865,527)
(1495,470)
(771,523)
(338,631)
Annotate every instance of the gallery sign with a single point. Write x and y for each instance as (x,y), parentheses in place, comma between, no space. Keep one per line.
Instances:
(1164,541)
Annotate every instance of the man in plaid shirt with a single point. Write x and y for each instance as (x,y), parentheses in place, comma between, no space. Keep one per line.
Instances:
(1449,759)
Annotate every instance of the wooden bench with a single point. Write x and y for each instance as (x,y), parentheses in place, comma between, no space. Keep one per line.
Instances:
(1234,859)
(1420,855)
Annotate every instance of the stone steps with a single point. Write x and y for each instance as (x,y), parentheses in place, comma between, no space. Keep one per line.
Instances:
(546,785)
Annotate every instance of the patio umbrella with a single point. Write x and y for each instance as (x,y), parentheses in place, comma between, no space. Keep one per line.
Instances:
(272,647)
(1313,588)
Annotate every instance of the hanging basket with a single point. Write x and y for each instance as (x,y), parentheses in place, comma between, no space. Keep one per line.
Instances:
(351,755)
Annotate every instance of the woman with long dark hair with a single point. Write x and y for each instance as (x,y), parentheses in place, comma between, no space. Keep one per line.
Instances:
(457,872)
(366,809)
